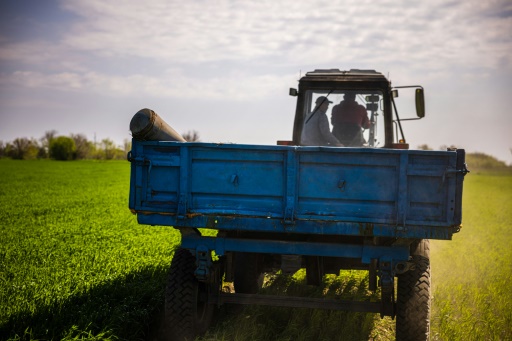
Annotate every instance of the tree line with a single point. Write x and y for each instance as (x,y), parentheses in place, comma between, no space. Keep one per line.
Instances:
(72,147)
(476,160)
(77,147)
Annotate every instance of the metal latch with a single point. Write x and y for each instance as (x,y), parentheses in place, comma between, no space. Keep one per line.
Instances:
(450,171)
(464,169)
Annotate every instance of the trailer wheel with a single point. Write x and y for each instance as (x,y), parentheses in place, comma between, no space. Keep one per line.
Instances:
(187,312)
(248,275)
(413,298)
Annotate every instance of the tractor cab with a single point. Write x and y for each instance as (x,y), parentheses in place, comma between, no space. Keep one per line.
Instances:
(359,106)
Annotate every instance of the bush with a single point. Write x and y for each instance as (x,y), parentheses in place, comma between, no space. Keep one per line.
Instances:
(63,148)
(483,161)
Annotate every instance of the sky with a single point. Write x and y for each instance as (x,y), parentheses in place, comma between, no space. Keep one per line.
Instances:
(223,68)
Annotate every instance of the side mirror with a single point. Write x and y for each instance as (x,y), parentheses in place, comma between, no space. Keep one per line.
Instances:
(293,92)
(394,93)
(420,103)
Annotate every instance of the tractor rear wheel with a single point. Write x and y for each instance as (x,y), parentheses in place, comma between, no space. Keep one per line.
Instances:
(413,296)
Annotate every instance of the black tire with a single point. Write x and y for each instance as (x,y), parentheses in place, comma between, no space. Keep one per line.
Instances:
(187,312)
(413,297)
(248,274)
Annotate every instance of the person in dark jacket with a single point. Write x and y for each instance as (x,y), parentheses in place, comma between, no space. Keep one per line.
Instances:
(348,119)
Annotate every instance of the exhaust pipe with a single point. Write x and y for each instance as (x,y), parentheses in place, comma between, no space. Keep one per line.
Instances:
(146,125)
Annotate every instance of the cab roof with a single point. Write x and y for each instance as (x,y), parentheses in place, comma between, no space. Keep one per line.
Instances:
(339,75)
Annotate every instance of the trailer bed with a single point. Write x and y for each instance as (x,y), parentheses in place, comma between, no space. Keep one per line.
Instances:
(292,189)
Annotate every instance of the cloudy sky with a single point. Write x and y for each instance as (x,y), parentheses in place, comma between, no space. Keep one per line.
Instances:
(223,68)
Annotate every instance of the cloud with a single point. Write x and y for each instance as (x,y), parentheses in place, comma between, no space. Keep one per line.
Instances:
(172,49)
(435,32)
(212,40)
(428,36)
(170,84)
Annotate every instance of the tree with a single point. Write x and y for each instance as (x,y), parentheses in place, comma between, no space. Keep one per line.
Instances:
(7,150)
(127,144)
(83,147)
(23,149)
(191,136)
(445,147)
(33,150)
(46,140)
(109,148)
(20,147)
(424,147)
(62,148)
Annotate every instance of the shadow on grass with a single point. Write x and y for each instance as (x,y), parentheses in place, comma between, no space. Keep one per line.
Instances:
(131,308)
(124,309)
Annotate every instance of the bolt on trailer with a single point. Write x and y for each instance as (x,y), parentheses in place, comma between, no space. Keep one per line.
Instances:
(371,205)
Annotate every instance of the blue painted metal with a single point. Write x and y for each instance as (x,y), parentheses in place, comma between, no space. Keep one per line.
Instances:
(203,261)
(222,245)
(307,190)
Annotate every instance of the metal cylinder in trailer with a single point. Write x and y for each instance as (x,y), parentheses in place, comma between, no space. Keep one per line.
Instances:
(146,125)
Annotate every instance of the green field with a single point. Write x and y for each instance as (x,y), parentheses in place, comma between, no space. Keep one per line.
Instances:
(74,264)
(472,275)
(73,260)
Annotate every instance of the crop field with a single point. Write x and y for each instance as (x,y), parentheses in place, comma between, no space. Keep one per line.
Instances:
(74,264)
(472,274)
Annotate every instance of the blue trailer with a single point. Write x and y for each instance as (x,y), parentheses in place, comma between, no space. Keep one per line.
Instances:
(372,207)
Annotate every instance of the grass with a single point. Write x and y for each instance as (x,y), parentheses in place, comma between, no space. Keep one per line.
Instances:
(73,261)
(472,274)
(74,264)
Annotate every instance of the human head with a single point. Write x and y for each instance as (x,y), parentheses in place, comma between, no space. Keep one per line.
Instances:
(322,100)
(350,96)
